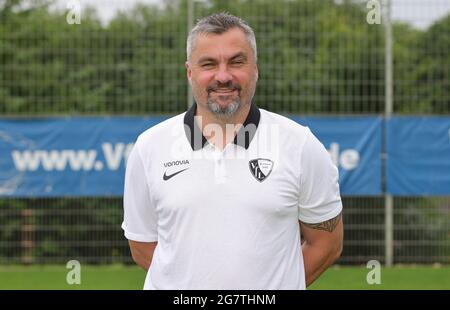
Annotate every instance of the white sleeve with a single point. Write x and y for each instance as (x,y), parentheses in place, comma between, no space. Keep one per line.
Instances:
(140,218)
(320,199)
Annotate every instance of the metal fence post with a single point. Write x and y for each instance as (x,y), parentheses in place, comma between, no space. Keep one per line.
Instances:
(389,201)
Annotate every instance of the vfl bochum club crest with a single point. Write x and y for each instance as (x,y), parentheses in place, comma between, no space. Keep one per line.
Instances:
(260,168)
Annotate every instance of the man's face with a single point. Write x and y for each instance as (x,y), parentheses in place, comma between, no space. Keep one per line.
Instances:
(222,71)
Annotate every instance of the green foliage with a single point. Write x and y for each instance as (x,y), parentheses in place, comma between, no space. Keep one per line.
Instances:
(420,230)
(432,75)
(430,236)
(314,57)
(88,229)
(57,230)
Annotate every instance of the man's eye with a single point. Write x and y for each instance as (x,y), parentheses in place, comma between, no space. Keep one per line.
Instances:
(207,65)
(237,62)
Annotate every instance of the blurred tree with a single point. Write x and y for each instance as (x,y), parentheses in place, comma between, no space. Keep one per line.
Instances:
(432,70)
(405,53)
(313,56)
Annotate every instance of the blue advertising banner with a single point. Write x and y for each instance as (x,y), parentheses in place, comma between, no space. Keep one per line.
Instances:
(354,144)
(60,157)
(418,156)
(67,156)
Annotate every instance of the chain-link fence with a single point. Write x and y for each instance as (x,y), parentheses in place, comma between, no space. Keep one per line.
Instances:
(53,230)
(314,57)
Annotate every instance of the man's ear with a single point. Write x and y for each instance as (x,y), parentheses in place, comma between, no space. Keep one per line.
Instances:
(188,71)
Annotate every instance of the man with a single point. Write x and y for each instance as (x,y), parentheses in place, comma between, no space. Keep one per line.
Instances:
(220,196)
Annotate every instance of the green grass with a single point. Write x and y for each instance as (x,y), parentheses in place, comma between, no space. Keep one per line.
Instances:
(109,277)
(131,277)
(397,278)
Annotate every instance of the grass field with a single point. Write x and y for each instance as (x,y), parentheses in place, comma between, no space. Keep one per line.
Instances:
(130,278)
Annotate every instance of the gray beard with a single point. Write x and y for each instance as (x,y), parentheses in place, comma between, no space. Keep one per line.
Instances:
(225,112)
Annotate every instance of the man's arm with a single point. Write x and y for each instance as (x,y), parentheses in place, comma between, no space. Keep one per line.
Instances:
(142,252)
(322,246)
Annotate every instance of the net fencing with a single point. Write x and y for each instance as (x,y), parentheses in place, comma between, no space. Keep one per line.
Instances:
(315,57)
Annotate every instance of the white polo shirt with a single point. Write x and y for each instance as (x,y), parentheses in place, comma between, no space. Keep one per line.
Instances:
(227,219)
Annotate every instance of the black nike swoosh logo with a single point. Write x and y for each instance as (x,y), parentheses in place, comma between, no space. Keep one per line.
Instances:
(166,177)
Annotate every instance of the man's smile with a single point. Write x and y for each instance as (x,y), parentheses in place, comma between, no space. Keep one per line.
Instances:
(224,91)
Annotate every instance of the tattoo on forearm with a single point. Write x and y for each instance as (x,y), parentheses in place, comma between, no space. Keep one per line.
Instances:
(329,225)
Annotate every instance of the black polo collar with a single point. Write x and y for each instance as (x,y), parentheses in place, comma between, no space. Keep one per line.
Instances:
(243,137)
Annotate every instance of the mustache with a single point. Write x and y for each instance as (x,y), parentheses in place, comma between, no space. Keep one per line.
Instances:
(223,86)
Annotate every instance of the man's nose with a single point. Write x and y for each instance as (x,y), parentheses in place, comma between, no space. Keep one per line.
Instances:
(223,75)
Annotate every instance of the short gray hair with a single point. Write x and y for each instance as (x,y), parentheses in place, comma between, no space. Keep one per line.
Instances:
(217,24)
